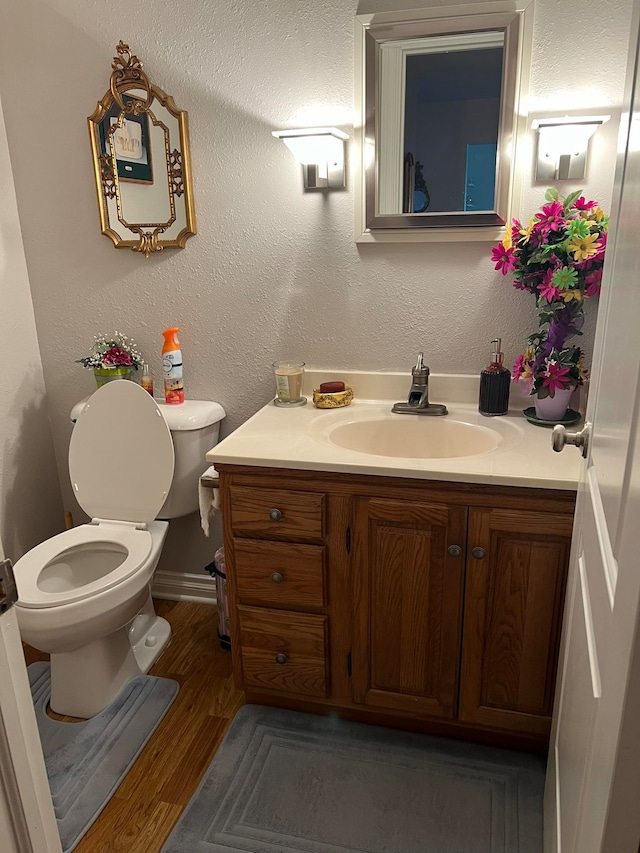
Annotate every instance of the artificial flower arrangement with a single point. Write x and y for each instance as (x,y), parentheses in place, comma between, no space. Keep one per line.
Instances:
(113,353)
(557,257)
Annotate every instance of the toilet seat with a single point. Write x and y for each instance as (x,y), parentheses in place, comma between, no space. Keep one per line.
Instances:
(36,590)
(121,455)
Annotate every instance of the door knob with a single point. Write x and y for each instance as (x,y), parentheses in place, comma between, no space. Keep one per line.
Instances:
(277,577)
(454,550)
(275,514)
(281,659)
(560,438)
(478,553)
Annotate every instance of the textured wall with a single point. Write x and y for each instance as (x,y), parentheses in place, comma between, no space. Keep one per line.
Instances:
(30,505)
(272,272)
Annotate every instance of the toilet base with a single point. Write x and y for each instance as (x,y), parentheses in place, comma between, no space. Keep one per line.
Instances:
(148,636)
(86,680)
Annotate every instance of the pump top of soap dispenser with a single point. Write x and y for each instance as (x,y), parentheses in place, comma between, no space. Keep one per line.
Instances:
(497,356)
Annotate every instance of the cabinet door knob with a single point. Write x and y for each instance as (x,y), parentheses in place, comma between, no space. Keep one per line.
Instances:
(454,550)
(276,577)
(275,514)
(478,553)
(280,658)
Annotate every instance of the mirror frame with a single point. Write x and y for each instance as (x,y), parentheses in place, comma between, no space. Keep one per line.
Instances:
(128,78)
(515,19)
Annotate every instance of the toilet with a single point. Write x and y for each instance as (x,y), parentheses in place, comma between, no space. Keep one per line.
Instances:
(84,595)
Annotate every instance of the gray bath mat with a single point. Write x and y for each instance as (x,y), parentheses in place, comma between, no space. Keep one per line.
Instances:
(284,782)
(87,761)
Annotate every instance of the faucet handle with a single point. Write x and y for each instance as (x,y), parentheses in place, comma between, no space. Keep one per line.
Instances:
(420,369)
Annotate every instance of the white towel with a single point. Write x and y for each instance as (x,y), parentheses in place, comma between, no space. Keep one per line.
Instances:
(208,498)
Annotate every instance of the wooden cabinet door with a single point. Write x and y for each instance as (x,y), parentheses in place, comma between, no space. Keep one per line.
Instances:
(516,573)
(407,598)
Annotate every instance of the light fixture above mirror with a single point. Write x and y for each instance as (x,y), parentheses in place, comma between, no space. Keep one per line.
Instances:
(321,150)
(440,116)
(141,160)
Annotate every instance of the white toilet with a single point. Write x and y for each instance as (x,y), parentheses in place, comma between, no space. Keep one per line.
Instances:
(84,595)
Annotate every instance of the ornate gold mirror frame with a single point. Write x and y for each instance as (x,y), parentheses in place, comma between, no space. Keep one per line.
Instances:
(141,159)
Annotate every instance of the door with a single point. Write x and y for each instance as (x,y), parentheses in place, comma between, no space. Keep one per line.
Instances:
(515,584)
(480,176)
(594,761)
(408,576)
(27,819)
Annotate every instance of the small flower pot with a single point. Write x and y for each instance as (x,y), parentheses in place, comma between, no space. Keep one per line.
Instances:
(108,374)
(554,408)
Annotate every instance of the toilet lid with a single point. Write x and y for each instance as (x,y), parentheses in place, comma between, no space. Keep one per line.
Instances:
(121,454)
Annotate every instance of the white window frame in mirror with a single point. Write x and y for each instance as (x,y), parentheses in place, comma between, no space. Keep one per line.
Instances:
(515,19)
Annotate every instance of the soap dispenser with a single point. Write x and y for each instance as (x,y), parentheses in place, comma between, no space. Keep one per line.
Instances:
(495,382)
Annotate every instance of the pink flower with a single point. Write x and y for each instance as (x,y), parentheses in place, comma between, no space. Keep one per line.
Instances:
(555,377)
(593,282)
(504,258)
(116,356)
(547,289)
(518,367)
(582,204)
(551,217)
(516,227)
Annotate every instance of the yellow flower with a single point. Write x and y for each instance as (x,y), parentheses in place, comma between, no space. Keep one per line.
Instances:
(507,241)
(568,295)
(528,354)
(582,370)
(526,232)
(584,247)
(598,213)
(527,371)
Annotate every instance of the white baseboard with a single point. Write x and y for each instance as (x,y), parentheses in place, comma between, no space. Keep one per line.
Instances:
(184,586)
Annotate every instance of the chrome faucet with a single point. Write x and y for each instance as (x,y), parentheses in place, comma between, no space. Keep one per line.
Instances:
(418,399)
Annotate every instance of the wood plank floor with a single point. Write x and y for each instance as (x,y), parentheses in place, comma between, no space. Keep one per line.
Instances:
(152,796)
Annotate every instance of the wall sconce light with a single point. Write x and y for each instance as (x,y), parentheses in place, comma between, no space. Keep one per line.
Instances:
(562,146)
(321,150)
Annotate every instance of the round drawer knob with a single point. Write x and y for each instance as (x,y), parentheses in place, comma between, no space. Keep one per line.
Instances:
(275,514)
(454,550)
(280,658)
(478,553)
(276,577)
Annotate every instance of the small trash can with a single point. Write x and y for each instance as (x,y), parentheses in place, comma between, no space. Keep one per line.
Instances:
(218,573)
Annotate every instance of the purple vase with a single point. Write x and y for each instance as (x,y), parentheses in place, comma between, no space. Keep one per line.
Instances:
(553,408)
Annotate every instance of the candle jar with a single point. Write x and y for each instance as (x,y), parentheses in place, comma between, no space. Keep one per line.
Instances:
(289,376)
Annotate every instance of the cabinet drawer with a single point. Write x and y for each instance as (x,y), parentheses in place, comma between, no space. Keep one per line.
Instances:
(279,574)
(277,514)
(283,651)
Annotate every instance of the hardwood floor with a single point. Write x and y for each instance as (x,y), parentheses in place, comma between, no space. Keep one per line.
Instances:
(153,794)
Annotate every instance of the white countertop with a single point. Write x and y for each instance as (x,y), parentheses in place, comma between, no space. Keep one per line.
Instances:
(300,438)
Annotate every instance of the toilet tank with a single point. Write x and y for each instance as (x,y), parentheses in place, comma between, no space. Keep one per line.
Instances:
(194,427)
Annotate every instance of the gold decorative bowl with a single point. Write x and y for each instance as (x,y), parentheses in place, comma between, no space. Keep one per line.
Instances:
(334,400)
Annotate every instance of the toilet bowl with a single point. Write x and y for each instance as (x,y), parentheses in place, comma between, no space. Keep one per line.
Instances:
(83,594)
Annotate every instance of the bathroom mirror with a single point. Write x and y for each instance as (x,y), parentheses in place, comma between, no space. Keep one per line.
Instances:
(140,147)
(440,101)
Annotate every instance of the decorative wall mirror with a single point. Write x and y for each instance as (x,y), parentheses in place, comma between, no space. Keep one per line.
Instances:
(440,95)
(140,146)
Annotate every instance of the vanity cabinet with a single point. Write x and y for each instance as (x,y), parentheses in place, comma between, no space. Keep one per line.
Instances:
(408,579)
(514,593)
(433,605)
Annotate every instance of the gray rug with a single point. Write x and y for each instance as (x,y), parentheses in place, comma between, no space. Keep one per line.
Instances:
(87,761)
(285,782)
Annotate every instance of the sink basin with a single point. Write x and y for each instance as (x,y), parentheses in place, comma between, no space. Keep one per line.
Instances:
(415,437)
